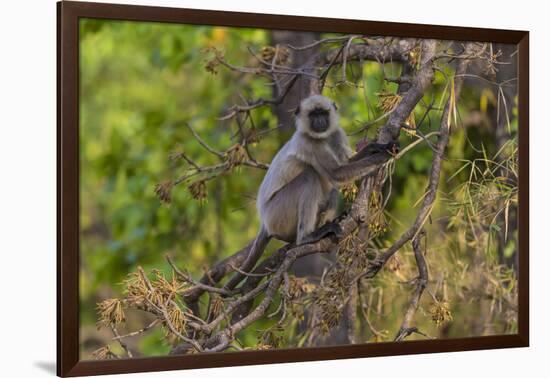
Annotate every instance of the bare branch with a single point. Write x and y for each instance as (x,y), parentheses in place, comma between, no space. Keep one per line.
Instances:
(121,343)
(203,143)
(422,280)
(140,331)
(199,285)
(412,96)
(385,50)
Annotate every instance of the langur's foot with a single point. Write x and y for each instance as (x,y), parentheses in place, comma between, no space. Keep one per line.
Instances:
(330,229)
(391,147)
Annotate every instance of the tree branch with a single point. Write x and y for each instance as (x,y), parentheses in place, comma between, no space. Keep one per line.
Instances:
(429,198)
(421,281)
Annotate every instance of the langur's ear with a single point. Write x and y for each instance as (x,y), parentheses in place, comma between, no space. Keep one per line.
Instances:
(334,104)
(297,111)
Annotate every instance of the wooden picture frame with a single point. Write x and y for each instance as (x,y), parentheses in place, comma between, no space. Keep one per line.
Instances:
(69,13)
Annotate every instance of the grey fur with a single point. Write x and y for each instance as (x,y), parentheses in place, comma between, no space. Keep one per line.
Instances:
(299,192)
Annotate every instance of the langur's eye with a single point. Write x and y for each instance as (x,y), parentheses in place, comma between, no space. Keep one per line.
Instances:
(335,107)
(297,111)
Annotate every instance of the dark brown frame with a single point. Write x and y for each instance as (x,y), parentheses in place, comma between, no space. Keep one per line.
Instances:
(68,14)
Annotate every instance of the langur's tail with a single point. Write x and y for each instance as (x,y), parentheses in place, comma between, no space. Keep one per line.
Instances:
(254,255)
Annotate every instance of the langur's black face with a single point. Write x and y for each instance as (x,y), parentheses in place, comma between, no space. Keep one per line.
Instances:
(319,119)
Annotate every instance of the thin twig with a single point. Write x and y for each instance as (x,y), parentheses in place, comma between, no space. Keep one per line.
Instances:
(121,343)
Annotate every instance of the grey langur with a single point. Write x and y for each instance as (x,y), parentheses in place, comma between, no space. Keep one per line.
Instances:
(299,192)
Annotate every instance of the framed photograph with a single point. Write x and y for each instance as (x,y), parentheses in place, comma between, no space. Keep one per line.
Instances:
(238,188)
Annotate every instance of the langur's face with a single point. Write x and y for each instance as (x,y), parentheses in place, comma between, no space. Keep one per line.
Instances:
(317,116)
(319,119)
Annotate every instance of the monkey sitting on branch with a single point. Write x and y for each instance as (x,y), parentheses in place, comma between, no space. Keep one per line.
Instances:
(298,198)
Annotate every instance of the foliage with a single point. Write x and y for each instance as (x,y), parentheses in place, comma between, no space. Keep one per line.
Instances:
(149,89)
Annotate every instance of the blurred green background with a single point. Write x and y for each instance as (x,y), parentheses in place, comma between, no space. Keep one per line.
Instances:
(139,81)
